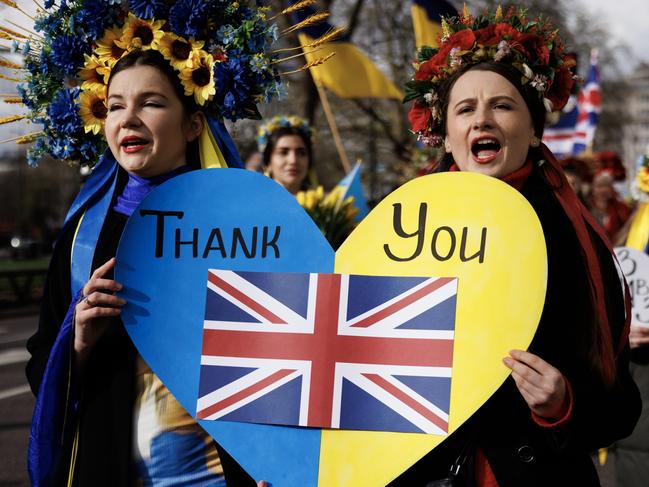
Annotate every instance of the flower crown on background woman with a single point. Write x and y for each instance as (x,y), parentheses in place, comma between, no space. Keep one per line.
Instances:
(531,46)
(220,50)
(283,121)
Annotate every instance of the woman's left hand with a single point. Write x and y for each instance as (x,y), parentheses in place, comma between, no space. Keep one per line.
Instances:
(542,386)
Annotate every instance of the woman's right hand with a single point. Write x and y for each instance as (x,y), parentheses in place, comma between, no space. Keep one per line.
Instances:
(92,314)
(639,336)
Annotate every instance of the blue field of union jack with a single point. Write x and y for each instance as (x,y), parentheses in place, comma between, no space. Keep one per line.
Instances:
(328,350)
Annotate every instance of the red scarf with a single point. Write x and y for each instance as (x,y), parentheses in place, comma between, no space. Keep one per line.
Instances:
(583,222)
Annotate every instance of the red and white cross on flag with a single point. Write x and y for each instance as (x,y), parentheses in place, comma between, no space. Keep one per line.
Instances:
(328,350)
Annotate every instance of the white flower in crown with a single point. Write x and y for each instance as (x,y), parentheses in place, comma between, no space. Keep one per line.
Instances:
(503,51)
(433,140)
(456,61)
(431,97)
(539,82)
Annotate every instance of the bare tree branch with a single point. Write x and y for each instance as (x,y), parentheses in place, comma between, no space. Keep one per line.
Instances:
(400,146)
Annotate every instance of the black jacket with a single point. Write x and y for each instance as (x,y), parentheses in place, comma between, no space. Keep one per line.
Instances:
(519,451)
(106,393)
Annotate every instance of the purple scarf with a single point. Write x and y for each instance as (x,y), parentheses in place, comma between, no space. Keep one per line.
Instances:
(138,187)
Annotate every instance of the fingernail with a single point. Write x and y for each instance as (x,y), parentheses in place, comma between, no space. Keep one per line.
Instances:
(507,361)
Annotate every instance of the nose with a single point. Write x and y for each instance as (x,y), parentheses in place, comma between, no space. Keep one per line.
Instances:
(129,118)
(291,157)
(482,119)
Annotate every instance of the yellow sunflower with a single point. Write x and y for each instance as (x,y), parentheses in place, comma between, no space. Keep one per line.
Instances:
(107,51)
(94,75)
(140,34)
(199,79)
(93,111)
(178,51)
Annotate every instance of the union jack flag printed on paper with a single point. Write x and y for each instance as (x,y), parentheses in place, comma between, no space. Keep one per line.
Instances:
(328,350)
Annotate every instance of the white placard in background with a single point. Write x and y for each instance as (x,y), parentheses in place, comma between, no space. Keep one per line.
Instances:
(635,266)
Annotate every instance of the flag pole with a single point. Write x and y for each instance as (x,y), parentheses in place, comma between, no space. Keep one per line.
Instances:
(332,126)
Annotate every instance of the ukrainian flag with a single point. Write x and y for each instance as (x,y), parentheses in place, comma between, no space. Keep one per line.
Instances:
(427,20)
(350,73)
(351,186)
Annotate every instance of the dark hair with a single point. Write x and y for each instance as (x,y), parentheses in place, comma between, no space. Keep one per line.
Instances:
(530,96)
(154,59)
(278,134)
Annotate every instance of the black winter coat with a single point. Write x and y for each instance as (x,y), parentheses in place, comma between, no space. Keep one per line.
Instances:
(106,393)
(519,451)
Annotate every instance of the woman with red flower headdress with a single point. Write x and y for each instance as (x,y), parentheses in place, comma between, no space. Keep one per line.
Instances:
(570,392)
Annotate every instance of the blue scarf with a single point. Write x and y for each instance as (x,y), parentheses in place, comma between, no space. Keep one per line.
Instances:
(56,399)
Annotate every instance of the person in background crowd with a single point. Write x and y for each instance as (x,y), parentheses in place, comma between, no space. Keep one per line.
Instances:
(285,143)
(484,94)
(579,176)
(605,205)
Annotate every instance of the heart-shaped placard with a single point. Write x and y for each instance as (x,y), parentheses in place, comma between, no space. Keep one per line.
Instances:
(457,225)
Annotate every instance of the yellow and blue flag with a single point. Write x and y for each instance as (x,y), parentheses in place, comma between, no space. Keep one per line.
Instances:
(350,73)
(427,20)
(351,185)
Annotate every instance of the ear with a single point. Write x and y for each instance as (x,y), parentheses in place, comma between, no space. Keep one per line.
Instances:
(447,145)
(195,123)
(535,141)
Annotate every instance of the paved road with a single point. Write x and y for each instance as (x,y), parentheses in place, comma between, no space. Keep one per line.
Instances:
(16,400)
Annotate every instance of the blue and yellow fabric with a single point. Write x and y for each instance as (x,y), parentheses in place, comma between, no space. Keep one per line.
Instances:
(427,20)
(350,73)
(170,449)
(89,209)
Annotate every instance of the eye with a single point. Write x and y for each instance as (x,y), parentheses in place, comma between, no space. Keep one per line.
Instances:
(113,106)
(154,104)
(465,109)
(502,106)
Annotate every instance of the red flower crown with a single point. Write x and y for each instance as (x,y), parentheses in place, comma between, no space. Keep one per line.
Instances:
(532,47)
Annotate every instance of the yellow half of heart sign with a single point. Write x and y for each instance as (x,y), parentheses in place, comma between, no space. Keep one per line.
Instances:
(463,225)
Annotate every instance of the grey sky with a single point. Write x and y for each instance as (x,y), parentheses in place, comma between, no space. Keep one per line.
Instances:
(628,23)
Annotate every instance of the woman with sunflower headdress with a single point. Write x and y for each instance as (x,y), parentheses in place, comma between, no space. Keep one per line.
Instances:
(483,95)
(140,96)
(285,143)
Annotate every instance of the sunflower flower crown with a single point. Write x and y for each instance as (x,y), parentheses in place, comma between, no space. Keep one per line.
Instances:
(220,50)
(531,46)
(283,121)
